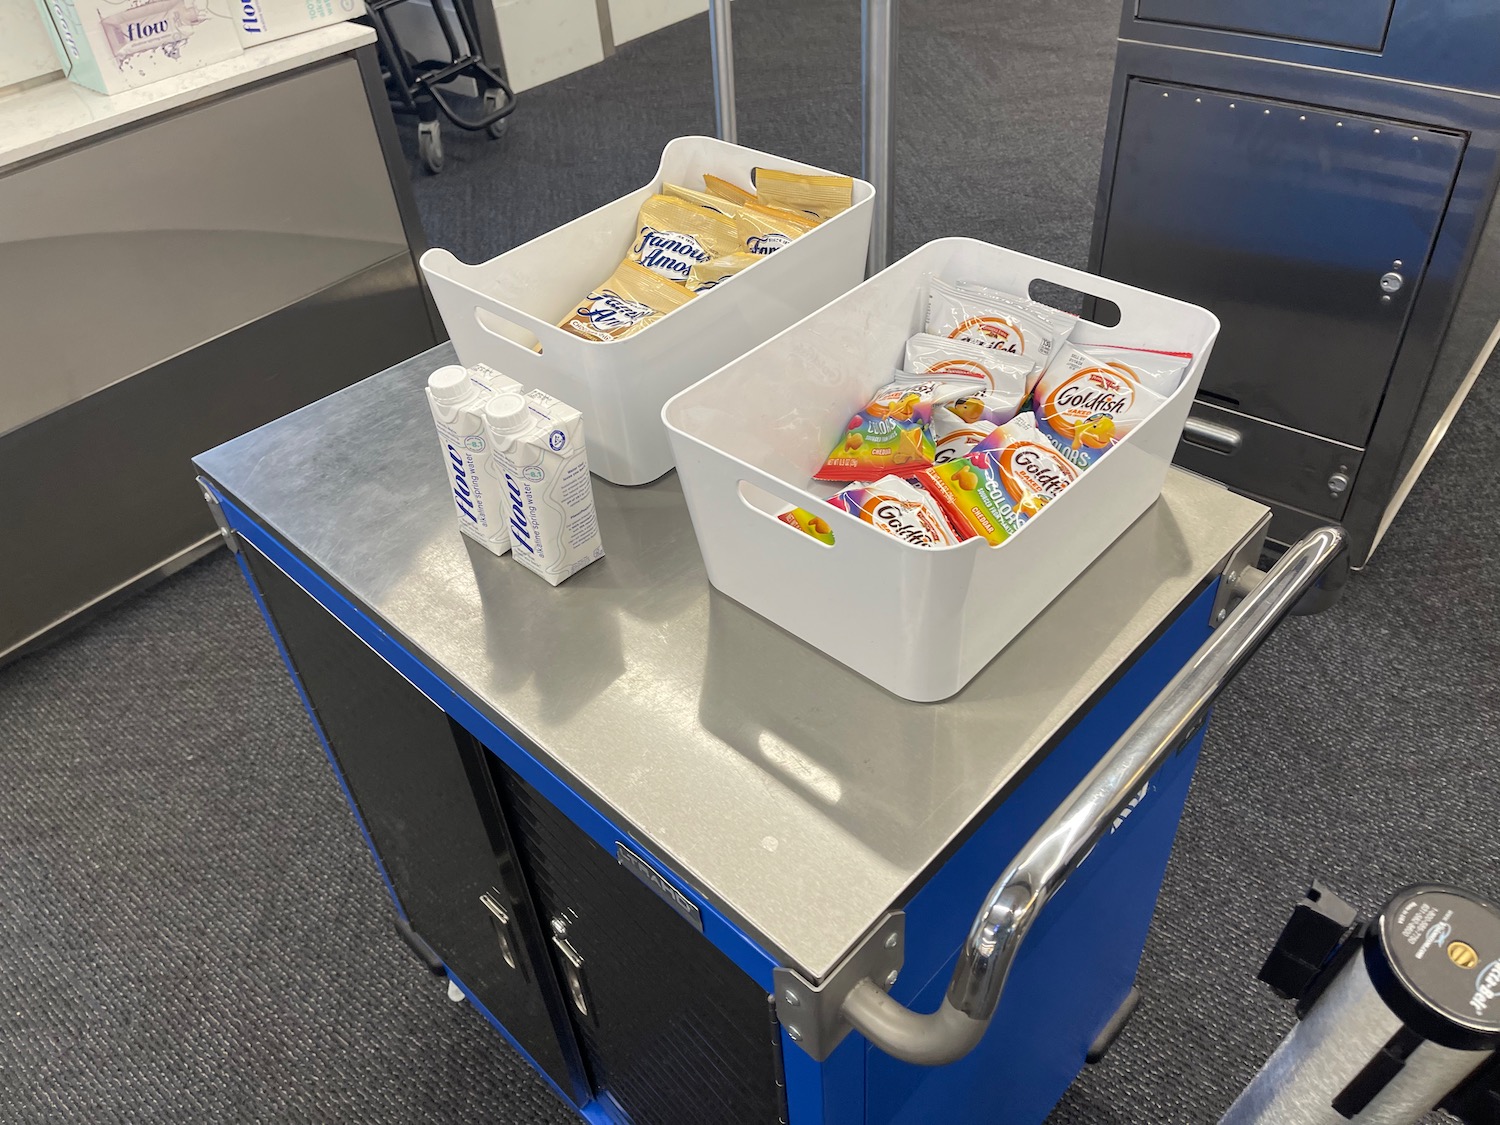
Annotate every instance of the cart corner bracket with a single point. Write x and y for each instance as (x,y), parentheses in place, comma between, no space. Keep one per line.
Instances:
(811,1014)
(231,540)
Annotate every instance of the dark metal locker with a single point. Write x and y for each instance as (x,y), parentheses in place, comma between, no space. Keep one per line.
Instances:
(413,778)
(1360,24)
(672,1030)
(1306,230)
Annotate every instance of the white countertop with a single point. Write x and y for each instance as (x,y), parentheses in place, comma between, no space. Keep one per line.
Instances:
(43,118)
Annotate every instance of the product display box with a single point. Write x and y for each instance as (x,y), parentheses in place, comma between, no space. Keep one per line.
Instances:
(115,47)
(260,21)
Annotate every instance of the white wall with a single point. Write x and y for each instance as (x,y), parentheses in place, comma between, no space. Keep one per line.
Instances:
(25,50)
(546,39)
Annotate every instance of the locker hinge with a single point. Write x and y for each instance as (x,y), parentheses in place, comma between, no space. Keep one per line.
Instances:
(811,1012)
(231,540)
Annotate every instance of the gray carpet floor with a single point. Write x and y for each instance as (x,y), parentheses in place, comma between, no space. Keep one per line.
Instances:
(191,930)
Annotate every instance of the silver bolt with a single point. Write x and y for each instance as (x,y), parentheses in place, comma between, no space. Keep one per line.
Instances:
(559,927)
(891,941)
(1232,577)
(1338,482)
(1385,299)
(791,998)
(1220,616)
(1396,265)
(793,1033)
(890,978)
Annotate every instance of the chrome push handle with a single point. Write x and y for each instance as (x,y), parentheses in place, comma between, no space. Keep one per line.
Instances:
(1070,833)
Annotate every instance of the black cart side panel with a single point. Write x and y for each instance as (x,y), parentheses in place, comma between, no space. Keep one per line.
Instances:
(673,1031)
(403,764)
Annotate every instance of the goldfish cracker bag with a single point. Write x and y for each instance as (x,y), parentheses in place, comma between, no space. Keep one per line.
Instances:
(822,197)
(1061,323)
(727,191)
(763,231)
(1084,404)
(808,523)
(1004,481)
(953,436)
(963,417)
(672,236)
(628,301)
(927,354)
(959,314)
(705,275)
(890,435)
(900,508)
(1161,372)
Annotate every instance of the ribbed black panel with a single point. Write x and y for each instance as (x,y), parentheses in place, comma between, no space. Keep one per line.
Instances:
(678,1034)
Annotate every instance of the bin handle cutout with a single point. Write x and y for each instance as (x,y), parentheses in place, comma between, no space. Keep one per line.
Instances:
(763,503)
(506,329)
(1098,310)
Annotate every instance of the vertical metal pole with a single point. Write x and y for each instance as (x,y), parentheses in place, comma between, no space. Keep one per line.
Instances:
(878,69)
(721,47)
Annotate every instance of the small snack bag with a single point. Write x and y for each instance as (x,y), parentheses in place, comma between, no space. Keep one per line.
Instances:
(1061,323)
(1084,403)
(822,197)
(727,191)
(1162,372)
(928,354)
(764,231)
(808,522)
(702,199)
(901,508)
(1004,481)
(953,437)
(889,435)
(960,314)
(672,236)
(705,275)
(628,301)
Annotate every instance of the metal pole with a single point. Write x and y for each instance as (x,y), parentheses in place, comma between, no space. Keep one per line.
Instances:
(878,66)
(721,47)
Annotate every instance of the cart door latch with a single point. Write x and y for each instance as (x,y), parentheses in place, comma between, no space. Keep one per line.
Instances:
(810,1013)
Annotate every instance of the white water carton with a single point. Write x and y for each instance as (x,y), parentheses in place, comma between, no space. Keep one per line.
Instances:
(538,443)
(456,396)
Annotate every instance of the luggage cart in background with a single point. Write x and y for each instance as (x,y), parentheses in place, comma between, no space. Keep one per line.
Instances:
(415,86)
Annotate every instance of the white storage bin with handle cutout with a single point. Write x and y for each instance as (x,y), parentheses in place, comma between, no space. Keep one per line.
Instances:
(920,622)
(497,311)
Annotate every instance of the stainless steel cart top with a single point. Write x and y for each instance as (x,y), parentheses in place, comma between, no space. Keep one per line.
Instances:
(798,797)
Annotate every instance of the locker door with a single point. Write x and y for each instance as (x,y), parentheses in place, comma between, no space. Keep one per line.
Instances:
(443,846)
(672,1030)
(1283,220)
(1360,24)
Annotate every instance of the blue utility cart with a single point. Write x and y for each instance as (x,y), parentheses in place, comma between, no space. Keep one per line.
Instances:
(674,854)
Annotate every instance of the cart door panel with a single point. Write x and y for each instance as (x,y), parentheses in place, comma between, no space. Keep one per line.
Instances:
(671,1029)
(404,766)
(1360,24)
(1281,219)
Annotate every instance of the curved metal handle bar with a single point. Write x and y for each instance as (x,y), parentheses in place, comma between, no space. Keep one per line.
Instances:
(1070,833)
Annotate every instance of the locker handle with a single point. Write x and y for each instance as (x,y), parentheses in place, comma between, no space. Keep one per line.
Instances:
(500,918)
(1067,836)
(1214,436)
(572,969)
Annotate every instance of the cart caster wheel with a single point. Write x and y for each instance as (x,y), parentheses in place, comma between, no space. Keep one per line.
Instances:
(430,144)
(493,100)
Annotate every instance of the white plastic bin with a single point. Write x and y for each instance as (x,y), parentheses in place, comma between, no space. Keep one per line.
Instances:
(920,622)
(497,311)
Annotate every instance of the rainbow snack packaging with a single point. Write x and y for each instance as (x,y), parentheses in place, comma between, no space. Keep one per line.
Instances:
(672,236)
(764,231)
(962,417)
(928,354)
(701,199)
(961,314)
(705,275)
(726,190)
(1004,481)
(900,508)
(628,301)
(890,435)
(823,197)
(1084,403)
(808,522)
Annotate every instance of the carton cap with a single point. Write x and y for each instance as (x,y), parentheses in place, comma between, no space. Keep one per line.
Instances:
(450,384)
(507,413)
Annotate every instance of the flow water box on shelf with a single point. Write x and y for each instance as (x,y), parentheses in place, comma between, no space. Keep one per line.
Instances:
(115,47)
